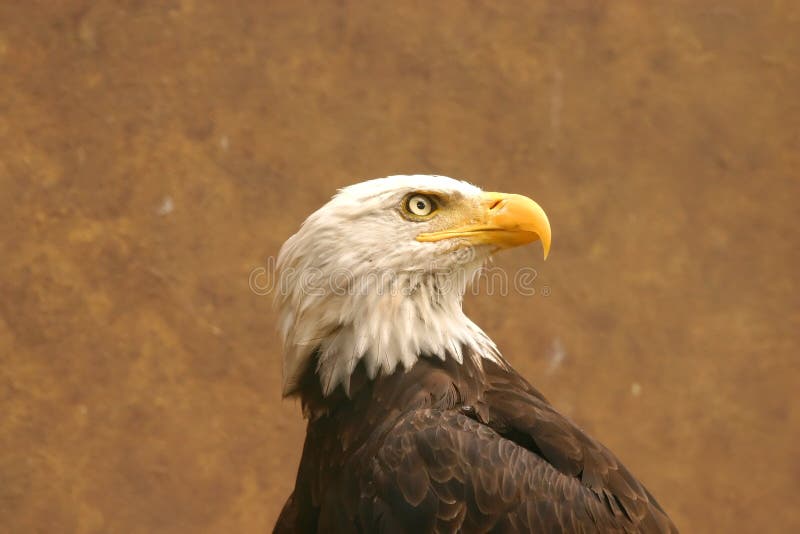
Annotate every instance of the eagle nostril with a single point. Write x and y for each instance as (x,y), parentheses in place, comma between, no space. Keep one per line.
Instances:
(495,203)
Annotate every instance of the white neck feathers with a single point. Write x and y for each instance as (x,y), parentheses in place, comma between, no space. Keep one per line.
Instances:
(380,321)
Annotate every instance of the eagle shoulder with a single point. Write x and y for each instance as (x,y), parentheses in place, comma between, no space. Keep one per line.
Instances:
(511,463)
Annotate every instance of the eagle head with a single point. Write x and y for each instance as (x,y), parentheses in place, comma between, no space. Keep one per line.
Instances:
(377,275)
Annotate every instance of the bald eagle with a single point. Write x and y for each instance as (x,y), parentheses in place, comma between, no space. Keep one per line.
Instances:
(416,422)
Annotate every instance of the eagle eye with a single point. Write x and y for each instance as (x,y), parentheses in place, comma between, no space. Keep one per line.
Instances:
(419,205)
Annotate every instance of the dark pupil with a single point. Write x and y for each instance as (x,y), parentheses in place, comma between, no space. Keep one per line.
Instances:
(420,205)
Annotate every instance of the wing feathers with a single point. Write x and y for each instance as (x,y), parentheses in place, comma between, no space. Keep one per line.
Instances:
(445,448)
(472,478)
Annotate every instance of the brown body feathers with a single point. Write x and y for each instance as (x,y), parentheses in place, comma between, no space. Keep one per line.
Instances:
(449,447)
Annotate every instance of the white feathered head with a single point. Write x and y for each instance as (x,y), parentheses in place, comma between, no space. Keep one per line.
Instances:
(378,274)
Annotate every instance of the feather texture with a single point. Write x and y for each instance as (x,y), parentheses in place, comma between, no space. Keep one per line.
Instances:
(448,447)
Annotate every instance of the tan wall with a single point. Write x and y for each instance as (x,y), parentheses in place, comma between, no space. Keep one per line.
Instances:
(150,157)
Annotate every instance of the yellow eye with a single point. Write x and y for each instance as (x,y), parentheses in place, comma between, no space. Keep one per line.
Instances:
(420,205)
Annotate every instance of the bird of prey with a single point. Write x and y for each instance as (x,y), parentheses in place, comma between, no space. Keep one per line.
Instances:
(416,422)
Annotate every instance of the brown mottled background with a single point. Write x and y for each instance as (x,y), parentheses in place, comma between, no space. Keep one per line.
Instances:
(153,154)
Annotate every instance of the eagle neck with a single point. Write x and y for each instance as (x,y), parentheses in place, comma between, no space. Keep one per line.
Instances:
(385,325)
(391,326)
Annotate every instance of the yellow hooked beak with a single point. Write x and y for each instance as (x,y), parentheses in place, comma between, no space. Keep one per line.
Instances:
(499,219)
